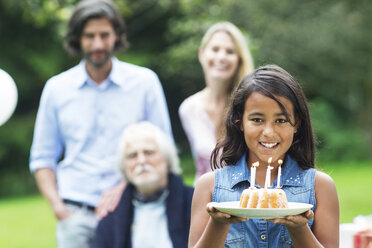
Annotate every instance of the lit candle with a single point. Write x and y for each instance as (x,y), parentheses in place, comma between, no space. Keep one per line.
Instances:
(268,176)
(253,173)
(280,162)
(269,160)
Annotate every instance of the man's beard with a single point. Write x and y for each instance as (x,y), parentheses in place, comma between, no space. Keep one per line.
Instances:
(150,181)
(141,168)
(100,63)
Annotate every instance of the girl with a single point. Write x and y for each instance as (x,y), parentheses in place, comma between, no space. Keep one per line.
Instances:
(268,117)
(225,60)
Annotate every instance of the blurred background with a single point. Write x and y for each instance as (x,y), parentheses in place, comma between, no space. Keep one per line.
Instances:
(326,45)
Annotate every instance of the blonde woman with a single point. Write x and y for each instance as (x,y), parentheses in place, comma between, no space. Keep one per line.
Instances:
(225,59)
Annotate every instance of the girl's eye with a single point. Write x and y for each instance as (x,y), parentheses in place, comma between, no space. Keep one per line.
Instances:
(257,120)
(281,121)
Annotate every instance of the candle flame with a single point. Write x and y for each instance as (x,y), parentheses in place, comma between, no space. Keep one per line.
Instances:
(256,164)
(270,159)
(280,162)
(270,167)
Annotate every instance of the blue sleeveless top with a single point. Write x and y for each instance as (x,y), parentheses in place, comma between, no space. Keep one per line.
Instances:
(230,181)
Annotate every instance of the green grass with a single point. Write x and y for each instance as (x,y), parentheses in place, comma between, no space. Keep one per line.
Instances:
(29,222)
(353,182)
(26,222)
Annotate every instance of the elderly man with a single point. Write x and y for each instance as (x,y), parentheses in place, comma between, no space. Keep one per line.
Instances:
(154,210)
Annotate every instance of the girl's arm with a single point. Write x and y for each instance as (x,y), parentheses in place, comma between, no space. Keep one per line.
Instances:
(325,229)
(326,220)
(208,227)
(204,232)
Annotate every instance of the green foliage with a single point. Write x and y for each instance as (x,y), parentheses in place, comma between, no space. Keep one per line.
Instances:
(337,139)
(188,169)
(326,45)
(15,143)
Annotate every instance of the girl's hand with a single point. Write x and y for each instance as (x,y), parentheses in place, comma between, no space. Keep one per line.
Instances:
(294,221)
(222,217)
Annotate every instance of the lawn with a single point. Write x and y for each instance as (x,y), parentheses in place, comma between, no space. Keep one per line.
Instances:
(26,222)
(29,222)
(353,182)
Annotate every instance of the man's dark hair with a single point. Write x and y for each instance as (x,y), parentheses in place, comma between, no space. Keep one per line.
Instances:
(93,9)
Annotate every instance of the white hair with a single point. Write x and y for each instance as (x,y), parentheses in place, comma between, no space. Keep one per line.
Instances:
(164,142)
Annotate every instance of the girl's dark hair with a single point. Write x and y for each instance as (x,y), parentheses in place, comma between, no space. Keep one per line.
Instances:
(92,9)
(271,81)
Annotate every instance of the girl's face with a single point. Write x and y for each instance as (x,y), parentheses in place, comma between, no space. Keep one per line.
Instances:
(219,58)
(267,132)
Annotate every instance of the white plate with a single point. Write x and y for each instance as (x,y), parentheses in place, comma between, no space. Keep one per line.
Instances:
(233,208)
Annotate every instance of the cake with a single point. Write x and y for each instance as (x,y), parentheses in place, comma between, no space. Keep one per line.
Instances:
(263,198)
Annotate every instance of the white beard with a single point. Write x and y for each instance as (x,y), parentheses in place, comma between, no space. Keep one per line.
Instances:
(145,182)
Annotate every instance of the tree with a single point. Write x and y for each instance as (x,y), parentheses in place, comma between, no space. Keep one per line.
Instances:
(324,44)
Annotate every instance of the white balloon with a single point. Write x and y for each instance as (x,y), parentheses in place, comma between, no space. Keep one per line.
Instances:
(8,96)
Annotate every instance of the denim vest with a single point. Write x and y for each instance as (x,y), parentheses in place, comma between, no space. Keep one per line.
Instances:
(230,181)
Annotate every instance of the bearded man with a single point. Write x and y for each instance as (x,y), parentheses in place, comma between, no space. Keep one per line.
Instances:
(81,115)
